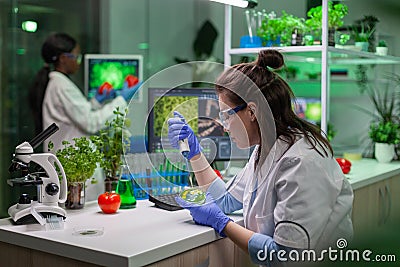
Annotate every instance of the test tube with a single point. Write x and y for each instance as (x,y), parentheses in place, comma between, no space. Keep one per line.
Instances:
(148,180)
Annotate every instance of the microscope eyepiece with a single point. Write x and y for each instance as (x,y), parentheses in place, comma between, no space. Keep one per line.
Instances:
(38,139)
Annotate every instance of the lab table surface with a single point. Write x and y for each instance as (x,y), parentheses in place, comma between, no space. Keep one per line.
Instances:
(131,237)
(145,234)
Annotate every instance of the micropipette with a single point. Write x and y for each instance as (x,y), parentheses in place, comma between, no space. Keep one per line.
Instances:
(183,144)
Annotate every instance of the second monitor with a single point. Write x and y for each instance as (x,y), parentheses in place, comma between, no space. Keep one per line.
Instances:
(112,69)
(200,108)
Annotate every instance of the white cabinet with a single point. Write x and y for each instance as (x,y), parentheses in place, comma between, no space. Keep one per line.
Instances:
(376,206)
(323,54)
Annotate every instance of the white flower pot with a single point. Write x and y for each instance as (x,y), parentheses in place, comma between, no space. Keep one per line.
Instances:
(384,153)
(381,51)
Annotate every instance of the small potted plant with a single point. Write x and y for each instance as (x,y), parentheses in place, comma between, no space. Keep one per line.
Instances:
(294,29)
(79,161)
(385,135)
(115,139)
(270,31)
(336,13)
(381,49)
(361,34)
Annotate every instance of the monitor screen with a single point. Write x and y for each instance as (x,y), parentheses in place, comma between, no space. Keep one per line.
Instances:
(308,109)
(111,69)
(200,108)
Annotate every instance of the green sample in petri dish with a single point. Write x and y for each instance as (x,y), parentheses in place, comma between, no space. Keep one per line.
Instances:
(194,195)
(125,190)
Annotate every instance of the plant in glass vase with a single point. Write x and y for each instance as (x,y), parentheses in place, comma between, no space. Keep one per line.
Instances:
(79,161)
(115,139)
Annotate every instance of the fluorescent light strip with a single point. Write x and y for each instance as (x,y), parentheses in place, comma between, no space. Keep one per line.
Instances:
(238,3)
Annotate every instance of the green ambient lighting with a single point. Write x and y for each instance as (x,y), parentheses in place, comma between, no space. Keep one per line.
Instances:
(313,111)
(143,46)
(29,26)
(21,51)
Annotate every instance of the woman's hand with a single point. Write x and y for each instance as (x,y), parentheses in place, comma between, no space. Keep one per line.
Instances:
(128,92)
(178,129)
(208,214)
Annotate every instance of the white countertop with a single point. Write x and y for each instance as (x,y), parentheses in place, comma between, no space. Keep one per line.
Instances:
(144,235)
(132,237)
(367,171)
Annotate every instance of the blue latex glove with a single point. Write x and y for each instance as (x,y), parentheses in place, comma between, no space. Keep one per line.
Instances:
(106,95)
(208,214)
(128,92)
(178,129)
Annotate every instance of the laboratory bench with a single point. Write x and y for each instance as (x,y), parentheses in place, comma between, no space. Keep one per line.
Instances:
(148,236)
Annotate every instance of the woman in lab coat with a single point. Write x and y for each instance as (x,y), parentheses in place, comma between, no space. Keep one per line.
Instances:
(54,97)
(293,193)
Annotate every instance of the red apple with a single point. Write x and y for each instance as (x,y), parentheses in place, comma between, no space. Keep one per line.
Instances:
(109,202)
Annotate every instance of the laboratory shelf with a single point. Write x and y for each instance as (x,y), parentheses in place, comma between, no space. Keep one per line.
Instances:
(323,55)
(313,54)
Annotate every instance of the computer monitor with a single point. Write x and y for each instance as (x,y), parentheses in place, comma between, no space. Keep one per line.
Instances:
(200,108)
(308,108)
(101,68)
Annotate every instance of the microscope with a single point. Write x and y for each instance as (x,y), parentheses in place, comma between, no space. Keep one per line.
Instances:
(50,191)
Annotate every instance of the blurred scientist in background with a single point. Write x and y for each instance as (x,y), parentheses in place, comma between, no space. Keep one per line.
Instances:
(54,98)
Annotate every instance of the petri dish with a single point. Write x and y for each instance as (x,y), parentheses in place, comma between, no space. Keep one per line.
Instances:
(88,231)
(193,195)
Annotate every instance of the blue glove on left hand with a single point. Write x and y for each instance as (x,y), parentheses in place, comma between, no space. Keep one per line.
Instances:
(105,95)
(128,92)
(208,214)
(178,129)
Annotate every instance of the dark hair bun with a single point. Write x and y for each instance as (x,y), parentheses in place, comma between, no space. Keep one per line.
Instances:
(270,58)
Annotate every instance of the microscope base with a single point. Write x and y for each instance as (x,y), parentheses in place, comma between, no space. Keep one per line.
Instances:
(22,214)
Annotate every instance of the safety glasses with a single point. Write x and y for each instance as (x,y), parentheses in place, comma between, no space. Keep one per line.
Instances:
(225,114)
(78,57)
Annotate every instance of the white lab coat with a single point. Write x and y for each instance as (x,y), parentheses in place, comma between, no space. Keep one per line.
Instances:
(65,105)
(297,186)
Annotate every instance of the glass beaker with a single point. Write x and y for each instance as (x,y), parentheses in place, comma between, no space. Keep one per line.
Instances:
(125,188)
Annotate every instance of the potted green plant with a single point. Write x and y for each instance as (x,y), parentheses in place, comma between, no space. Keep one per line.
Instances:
(79,161)
(370,22)
(270,31)
(385,135)
(384,129)
(336,13)
(293,29)
(114,140)
(361,35)
(381,49)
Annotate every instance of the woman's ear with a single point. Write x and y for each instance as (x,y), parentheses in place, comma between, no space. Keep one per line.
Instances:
(252,109)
